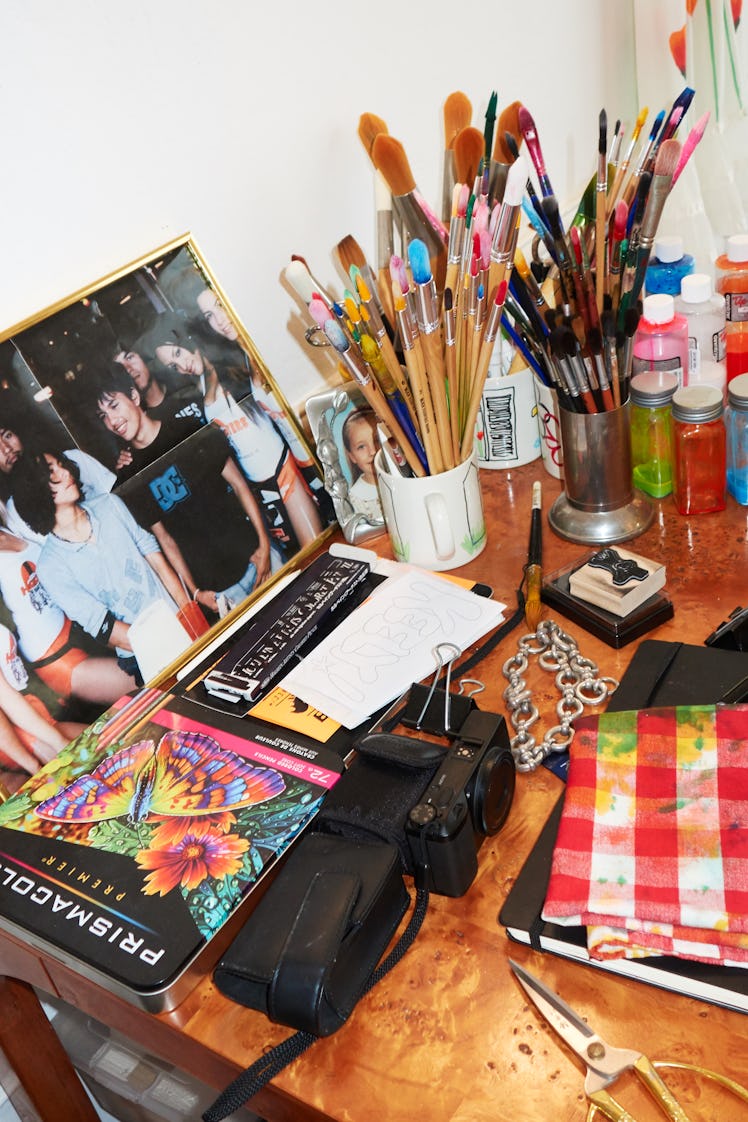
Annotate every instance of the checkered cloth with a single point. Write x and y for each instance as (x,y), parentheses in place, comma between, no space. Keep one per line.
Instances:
(652,849)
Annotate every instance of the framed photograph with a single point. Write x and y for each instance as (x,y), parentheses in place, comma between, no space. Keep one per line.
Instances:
(152,479)
(344,427)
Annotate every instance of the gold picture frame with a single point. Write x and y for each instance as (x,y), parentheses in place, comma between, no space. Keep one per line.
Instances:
(144,393)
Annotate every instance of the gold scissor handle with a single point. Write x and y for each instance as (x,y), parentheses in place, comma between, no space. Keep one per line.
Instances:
(659,1090)
(609,1107)
(722,1080)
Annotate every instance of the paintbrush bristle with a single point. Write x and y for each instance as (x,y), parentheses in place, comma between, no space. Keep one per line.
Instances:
(298,276)
(620,217)
(390,159)
(469,146)
(603,133)
(458,113)
(349,253)
(369,128)
(668,155)
(516,179)
(508,123)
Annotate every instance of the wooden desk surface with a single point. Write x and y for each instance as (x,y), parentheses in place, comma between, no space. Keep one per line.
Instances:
(448,1035)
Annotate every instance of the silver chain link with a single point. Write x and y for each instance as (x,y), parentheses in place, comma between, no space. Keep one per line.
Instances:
(578,682)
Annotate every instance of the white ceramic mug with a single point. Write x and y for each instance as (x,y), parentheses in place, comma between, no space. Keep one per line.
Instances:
(506,432)
(435,521)
(549,427)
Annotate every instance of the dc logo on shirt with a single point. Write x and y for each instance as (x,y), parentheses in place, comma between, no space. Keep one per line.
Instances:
(170,488)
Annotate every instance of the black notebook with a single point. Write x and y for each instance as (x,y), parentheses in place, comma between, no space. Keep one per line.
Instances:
(660,673)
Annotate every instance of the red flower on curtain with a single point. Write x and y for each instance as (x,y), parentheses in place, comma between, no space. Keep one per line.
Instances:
(677,40)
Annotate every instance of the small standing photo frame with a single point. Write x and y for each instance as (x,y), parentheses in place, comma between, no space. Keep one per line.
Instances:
(344,428)
(153,479)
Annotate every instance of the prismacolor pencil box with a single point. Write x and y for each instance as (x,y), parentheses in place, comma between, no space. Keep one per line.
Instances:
(133,856)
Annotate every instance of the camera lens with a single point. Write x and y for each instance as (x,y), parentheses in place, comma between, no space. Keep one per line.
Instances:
(493,790)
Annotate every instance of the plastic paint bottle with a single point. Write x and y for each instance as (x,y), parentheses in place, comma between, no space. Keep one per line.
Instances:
(704,310)
(736,423)
(661,339)
(699,436)
(668,266)
(652,432)
(731,270)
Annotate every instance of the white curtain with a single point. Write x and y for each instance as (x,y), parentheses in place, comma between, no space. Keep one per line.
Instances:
(696,43)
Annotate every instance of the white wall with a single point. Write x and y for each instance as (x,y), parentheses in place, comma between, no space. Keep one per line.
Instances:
(127,124)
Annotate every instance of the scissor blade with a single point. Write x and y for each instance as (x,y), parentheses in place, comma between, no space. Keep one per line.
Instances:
(603,1062)
(568,1024)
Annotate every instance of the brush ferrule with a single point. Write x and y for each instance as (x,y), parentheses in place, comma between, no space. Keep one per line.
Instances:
(653,211)
(426,307)
(356,366)
(456,240)
(385,238)
(501,246)
(415,224)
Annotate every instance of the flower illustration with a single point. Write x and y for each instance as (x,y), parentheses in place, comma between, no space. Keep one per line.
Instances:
(186,857)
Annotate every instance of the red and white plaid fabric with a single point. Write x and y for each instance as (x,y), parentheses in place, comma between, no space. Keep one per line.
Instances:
(652,849)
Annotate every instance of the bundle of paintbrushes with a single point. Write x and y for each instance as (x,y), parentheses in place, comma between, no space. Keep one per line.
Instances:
(579,339)
(417,331)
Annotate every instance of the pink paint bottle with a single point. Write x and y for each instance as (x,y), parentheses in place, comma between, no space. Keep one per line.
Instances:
(661,339)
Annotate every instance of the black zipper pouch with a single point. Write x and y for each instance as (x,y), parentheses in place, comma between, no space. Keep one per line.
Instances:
(309,949)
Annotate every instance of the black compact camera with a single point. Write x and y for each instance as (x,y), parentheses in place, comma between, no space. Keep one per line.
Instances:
(467,800)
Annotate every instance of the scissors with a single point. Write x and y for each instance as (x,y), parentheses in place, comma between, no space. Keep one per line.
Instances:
(604,1063)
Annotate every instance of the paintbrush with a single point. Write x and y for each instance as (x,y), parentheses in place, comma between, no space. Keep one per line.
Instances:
(549,205)
(369,128)
(389,157)
(460,199)
(458,113)
(610,351)
(382,339)
(350,255)
(502,157)
(372,356)
(630,189)
(617,238)
(414,363)
(299,276)
(504,239)
(664,169)
(623,167)
(484,359)
(615,146)
(427,316)
(533,571)
(489,126)
(530,136)
(601,191)
(689,145)
(468,156)
(450,362)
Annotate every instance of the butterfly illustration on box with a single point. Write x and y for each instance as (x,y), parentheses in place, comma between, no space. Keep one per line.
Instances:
(186,774)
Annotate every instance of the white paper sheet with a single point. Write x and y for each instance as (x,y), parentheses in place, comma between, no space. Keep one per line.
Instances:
(388,643)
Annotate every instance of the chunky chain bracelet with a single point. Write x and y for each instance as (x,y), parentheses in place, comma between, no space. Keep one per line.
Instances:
(578,682)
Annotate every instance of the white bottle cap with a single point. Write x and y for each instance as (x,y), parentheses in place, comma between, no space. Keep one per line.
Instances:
(658,308)
(669,248)
(696,288)
(737,247)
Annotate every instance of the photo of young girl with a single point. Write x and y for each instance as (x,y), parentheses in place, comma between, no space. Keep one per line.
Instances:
(359,435)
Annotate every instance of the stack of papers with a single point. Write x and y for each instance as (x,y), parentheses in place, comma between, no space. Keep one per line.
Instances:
(389,642)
